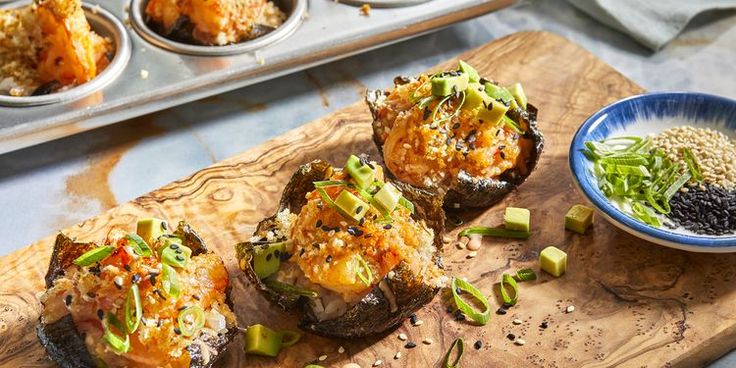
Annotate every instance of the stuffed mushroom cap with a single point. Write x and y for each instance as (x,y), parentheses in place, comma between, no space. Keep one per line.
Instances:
(151,299)
(354,269)
(466,137)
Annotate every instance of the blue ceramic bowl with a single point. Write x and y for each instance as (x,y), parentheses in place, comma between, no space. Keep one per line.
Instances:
(643,115)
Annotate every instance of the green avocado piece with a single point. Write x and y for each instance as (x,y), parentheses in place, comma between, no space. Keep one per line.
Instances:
(350,205)
(445,85)
(150,229)
(267,261)
(475,97)
(387,197)
(516,219)
(579,218)
(498,92)
(261,340)
(175,255)
(519,95)
(553,261)
(493,112)
(363,175)
(473,75)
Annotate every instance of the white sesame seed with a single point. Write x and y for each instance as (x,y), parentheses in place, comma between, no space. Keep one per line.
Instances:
(519,342)
(322,358)
(428,341)
(570,309)
(144,74)
(406,145)
(418,323)
(460,245)
(516,321)
(472,254)
(446,239)
(403,337)
(341,350)
(377,363)
(397,355)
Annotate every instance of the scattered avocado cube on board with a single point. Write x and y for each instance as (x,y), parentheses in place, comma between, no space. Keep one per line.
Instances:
(553,261)
(579,218)
(517,219)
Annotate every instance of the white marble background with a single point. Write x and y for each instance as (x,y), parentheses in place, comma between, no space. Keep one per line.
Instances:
(57,184)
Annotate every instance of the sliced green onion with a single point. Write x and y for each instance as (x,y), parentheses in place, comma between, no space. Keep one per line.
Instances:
(191,320)
(511,124)
(692,164)
(507,280)
(364,271)
(424,102)
(170,281)
(330,183)
(289,338)
(640,170)
(140,247)
(406,204)
(526,274)
(645,214)
(480,317)
(133,309)
(495,232)
(458,346)
(672,189)
(451,115)
(119,343)
(93,256)
(290,289)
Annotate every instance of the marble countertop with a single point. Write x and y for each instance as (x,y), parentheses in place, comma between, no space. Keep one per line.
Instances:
(55,185)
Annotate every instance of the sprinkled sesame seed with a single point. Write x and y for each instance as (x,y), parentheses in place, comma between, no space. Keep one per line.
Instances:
(511,336)
(397,355)
(100,314)
(341,350)
(68,300)
(570,309)
(402,337)
(428,341)
(472,254)
(478,344)
(377,363)
(516,321)
(406,145)
(322,358)
(418,323)
(410,345)
(519,342)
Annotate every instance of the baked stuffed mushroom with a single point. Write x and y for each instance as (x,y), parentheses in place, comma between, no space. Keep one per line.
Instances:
(145,299)
(354,253)
(456,133)
(213,22)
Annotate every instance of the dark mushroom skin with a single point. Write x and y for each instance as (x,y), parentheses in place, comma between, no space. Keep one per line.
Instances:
(472,192)
(65,345)
(374,313)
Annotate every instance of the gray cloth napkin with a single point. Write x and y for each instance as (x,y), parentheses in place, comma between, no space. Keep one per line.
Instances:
(653,23)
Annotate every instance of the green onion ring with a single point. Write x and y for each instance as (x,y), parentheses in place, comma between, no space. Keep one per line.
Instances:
(506,279)
(170,281)
(93,256)
(367,278)
(140,247)
(133,309)
(289,338)
(117,343)
(526,274)
(189,328)
(480,317)
(458,345)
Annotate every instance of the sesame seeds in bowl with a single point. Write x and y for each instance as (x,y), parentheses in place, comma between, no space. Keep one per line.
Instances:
(662,166)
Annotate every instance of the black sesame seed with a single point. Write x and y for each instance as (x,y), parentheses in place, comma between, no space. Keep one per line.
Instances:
(183,307)
(328,259)
(177,330)
(448,141)
(501,311)
(269,256)
(196,297)
(159,293)
(387,226)
(503,155)
(354,231)
(544,325)
(91,294)
(68,300)
(478,344)
(410,345)
(127,268)
(277,253)
(427,112)
(511,337)
(100,314)
(178,251)
(301,252)
(164,225)
(456,126)
(152,278)
(326,228)
(179,258)
(174,246)
(135,278)
(362,221)
(413,319)
(318,224)
(359,209)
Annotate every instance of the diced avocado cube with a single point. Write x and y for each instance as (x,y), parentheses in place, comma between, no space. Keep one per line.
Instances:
(475,97)
(351,206)
(449,84)
(261,340)
(150,229)
(519,95)
(492,113)
(267,259)
(500,93)
(553,261)
(517,219)
(176,255)
(165,241)
(363,175)
(473,75)
(579,218)
(387,197)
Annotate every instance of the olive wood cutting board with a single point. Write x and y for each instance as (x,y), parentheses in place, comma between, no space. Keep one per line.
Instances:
(637,304)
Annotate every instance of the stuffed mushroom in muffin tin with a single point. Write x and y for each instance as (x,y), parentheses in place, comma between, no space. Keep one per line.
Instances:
(464,136)
(354,253)
(152,298)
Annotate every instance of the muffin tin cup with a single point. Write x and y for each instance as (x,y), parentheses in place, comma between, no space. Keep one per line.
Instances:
(295,10)
(104,24)
(384,3)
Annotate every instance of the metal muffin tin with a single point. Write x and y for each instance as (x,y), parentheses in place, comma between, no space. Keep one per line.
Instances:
(162,73)
(106,25)
(295,10)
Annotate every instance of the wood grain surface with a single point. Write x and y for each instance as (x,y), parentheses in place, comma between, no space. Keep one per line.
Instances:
(637,304)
